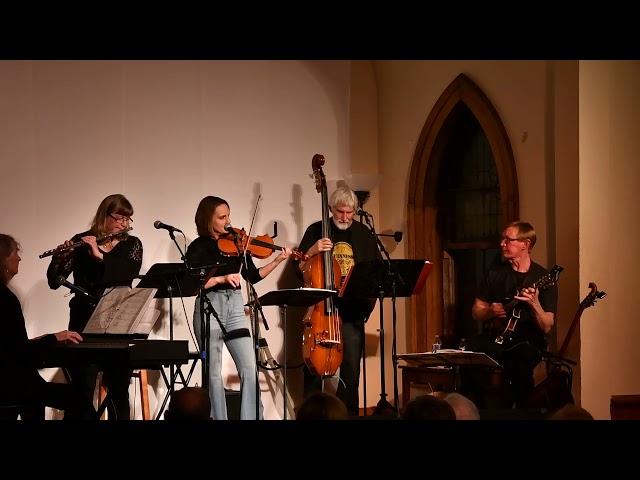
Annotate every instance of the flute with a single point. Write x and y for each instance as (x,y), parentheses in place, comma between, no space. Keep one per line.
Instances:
(99,240)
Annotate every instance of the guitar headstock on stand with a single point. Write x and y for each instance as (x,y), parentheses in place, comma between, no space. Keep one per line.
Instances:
(589,301)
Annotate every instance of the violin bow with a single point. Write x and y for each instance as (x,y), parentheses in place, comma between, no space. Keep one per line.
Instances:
(244,248)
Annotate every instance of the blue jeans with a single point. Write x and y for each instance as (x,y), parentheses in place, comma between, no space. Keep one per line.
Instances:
(229,306)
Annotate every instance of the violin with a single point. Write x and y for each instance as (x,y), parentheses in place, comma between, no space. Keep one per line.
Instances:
(260,246)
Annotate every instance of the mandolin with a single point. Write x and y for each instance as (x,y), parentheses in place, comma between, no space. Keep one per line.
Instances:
(542,283)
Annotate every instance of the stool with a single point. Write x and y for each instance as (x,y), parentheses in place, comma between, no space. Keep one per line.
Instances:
(141,375)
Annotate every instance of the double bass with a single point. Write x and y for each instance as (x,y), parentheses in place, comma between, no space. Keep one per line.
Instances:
(322,337)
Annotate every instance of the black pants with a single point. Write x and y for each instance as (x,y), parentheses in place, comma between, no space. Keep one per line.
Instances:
(348,384)
(116,381)
(34,396)
(517,358)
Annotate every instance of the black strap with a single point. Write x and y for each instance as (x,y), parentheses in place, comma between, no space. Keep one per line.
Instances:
(239,333)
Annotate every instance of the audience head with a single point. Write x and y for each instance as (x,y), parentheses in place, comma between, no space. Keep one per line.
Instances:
(571,412)
(322,406)
(464,408)
(189,403)
(428,407)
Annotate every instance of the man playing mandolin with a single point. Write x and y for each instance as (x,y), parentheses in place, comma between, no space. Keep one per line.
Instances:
(516,302)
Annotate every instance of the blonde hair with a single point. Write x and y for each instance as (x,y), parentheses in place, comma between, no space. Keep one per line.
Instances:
(116,203)
(525,232)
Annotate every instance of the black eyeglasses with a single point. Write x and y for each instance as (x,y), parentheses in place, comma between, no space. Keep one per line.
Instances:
(509,239)
(121,219)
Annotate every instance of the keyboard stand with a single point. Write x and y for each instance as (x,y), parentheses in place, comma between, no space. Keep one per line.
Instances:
(177,374)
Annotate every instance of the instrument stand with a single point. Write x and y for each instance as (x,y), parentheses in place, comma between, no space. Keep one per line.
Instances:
(382,279)
(267,362)
(294,297)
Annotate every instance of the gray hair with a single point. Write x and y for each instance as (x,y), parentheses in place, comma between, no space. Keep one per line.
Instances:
(343,195)
(464,408)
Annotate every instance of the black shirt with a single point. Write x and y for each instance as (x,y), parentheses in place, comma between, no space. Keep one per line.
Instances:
(501,284)
(204,251)
(350,246)
(19,356)
(117,269)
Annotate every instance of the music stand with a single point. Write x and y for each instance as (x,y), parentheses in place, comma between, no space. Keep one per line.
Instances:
(381,279)
(450,358)
(167,278)
(292,297)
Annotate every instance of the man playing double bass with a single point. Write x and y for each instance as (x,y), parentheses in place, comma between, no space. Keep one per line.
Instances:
(350,242)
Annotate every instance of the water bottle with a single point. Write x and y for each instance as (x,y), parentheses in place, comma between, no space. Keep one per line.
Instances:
(436,344)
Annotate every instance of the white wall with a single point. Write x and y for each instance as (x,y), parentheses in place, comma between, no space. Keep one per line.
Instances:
(165,134)
(609,229)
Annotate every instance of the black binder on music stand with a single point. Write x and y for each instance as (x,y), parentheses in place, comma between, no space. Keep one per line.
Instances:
(295,297)
(184,282)
(365,279)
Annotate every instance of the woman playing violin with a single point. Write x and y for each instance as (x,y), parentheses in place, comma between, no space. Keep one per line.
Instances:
(97,267)
(212,220)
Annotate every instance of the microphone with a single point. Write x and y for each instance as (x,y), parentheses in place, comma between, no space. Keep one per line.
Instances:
(158,224)
(75,289)
(397,236)
(230,229)
(363,213)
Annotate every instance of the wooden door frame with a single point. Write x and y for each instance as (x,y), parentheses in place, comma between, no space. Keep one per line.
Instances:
(424,239)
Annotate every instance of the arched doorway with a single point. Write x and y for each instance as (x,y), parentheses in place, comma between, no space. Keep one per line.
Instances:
(429,237)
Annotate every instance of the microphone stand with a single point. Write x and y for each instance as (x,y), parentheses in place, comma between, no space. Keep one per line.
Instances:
(392,273)
(170,292)
(91,300)
(364,350)
(205,323)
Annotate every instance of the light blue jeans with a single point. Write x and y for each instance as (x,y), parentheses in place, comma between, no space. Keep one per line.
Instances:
(229,306)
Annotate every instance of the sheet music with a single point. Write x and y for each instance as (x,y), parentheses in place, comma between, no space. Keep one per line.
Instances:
(448,357)
(123,310)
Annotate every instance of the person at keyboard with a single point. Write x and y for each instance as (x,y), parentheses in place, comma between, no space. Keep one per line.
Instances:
(104,260)
(23,391)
